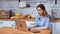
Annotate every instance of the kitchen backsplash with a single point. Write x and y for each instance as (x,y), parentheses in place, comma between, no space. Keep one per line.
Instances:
(14,5)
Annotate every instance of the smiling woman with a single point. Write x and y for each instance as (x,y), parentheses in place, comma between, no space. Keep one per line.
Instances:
(42,19)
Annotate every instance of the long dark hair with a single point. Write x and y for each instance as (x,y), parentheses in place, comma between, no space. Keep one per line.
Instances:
(43,8)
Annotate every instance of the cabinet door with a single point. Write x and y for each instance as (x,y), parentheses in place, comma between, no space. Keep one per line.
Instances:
(29,23)
(7,23)
(56,28)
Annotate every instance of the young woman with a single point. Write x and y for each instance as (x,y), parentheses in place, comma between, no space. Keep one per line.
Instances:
(42,19)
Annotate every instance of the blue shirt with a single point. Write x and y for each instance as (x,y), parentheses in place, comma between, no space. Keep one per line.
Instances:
(42,21)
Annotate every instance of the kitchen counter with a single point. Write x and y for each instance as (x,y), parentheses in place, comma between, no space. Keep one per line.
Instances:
(28,19)
(58,20)
(31,19)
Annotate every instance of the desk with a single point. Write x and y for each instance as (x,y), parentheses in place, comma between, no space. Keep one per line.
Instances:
(56,26)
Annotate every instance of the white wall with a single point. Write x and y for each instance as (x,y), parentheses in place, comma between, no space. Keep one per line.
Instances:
(13,5)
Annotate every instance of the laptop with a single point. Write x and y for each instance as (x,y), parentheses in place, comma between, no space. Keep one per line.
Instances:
(21,25)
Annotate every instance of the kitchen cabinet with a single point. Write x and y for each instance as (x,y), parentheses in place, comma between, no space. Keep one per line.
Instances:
(30,23)
(7,23)
(12,22)
(56,27)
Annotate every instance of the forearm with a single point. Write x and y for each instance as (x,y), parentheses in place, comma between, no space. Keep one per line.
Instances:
(32,27)
(38,28)
(41,28)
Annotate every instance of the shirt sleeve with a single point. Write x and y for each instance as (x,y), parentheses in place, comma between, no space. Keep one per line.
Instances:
(47,23)
(36,22)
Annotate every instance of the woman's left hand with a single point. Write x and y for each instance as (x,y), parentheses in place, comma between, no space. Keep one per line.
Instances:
(34,30)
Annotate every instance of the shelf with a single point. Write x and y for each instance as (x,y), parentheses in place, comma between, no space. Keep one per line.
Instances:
(28,19)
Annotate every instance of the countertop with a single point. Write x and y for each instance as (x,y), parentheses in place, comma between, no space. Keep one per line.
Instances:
(58,20)
(32,19)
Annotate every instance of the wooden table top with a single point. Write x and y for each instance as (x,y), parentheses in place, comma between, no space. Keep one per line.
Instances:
(7,30)
(31,19)
(55,20)
(12,31)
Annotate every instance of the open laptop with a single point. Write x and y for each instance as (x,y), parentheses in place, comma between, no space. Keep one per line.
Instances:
(24,25)
(21,25)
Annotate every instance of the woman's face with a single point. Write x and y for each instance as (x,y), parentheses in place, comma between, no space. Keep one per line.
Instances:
(40,11)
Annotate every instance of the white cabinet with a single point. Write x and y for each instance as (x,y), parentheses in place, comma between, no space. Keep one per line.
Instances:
(7,23)
(56,28)
(29,23)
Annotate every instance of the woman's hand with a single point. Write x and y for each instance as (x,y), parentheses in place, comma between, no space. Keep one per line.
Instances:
(34,30)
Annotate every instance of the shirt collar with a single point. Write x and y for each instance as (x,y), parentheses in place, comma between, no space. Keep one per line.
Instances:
(40,16)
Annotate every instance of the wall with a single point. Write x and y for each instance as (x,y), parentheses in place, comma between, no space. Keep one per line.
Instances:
(13,5)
